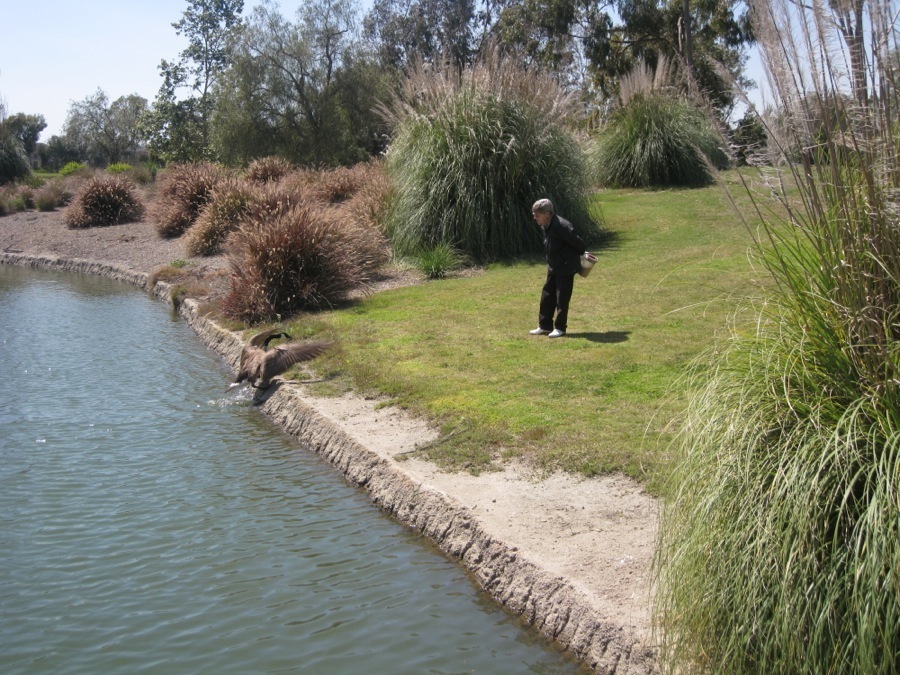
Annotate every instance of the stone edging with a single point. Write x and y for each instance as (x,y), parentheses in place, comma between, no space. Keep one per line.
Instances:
(548,602)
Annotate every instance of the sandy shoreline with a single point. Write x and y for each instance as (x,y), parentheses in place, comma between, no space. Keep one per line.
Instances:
(570,555)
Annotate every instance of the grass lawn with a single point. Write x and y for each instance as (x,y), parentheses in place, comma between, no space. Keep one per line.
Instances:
(599,400)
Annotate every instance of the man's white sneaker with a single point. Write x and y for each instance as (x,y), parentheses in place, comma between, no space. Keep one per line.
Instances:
(538,331)
(557,333)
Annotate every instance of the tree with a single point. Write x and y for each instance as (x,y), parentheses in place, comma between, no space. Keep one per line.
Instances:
(13,160)
(596,43)
(106,132)
(179,129)
(702,34)
(26,128)
(430,29)
(302,90)
(57,152)
(556,34)
(849,17)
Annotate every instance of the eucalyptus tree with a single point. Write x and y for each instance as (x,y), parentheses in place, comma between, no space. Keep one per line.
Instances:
(178,127)
(404,30)
(596,43)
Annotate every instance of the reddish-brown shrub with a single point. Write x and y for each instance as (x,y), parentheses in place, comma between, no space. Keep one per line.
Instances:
(104,200)
(368,206)
(229,204)
(268,169)
(182,192)
(284,260)
(334,186)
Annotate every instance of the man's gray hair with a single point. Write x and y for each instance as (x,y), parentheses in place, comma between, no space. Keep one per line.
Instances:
(542,206)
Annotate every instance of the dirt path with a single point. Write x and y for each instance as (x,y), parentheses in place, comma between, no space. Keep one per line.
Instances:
(587,541)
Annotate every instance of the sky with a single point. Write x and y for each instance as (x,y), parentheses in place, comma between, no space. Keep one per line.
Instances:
(57,52)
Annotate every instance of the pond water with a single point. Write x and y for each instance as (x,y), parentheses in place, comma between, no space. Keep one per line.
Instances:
(151,523)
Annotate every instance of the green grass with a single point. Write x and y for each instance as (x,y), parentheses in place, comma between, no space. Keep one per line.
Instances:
(599,400)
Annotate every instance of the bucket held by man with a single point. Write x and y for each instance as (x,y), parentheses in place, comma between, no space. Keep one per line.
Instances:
(587,263)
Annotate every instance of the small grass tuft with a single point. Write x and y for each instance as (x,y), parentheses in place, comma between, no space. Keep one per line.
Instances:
(440,260)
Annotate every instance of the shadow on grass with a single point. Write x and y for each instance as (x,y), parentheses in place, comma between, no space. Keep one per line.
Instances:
(609,337)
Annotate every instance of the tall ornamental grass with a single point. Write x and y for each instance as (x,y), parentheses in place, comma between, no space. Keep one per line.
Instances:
(656,137)
(658,141)
(779,545)
(473,151)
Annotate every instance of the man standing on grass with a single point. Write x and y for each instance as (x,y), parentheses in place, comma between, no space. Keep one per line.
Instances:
(564,249)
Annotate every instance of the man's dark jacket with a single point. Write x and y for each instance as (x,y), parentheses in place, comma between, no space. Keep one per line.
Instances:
(563,246)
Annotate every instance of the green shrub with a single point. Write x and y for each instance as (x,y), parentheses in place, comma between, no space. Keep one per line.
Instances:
(468,161)
(72,168)
(268,169)
(229,205)
(298,258)
(183,190)
(14,162)
(118,167)
(657,140)
(104,200)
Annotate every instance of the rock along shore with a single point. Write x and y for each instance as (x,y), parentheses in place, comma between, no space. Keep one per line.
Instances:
(570,556)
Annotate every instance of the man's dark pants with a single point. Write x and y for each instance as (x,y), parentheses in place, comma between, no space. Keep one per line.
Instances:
(556,294)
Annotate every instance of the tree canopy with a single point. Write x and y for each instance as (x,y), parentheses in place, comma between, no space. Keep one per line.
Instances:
(178,129)
(104,132)
(304,89)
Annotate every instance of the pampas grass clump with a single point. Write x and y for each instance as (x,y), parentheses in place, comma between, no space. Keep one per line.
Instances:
(779,545)
(104,200)
(472,153)
(658,140)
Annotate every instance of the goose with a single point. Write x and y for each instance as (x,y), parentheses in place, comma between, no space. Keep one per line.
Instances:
(259,364)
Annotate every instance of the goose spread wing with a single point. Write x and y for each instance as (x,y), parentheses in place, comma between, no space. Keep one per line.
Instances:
(284,356)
